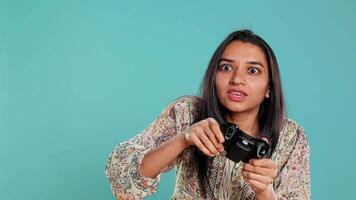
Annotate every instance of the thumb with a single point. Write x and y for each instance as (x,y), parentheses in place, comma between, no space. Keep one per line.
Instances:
(265,139)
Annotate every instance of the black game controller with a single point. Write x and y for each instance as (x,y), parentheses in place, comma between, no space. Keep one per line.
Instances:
(239,146)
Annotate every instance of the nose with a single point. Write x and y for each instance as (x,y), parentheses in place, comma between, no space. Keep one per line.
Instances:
(237,78)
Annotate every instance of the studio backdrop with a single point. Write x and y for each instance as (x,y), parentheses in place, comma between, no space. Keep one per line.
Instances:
(78,77)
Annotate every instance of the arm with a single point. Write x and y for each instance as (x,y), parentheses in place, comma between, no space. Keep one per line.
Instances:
(123,166)
(158,159)
(293,182)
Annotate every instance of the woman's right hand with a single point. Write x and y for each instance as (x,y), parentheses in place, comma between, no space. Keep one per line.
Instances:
(207,136)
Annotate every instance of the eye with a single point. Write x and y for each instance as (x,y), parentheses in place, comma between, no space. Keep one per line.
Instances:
(253,70)
(225,67)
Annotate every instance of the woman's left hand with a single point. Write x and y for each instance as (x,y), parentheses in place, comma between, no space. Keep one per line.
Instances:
(260,174)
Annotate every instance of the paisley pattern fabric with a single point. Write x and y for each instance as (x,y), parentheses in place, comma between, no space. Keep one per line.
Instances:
(123,165)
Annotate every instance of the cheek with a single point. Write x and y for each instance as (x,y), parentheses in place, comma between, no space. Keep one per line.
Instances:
(220,86)
(259,90)
(219,82)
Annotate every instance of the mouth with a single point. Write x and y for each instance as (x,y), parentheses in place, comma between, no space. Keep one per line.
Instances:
(237,92)
(237,95)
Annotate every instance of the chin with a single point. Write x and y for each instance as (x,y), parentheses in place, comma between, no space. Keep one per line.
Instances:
(233,107)
(236,110)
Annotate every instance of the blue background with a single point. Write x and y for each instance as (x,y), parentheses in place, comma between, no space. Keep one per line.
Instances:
(78,77)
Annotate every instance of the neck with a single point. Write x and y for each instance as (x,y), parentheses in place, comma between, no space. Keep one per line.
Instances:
(247,122)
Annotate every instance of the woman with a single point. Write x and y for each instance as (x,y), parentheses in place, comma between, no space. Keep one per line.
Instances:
(242,85)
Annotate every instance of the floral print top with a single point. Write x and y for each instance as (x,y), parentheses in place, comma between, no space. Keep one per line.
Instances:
(123,165)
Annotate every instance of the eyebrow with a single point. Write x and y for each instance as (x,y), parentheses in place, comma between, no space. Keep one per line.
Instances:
(249,62)
(255,63)
(225,59)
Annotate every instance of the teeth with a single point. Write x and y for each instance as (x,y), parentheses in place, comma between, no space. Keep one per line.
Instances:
(237,93)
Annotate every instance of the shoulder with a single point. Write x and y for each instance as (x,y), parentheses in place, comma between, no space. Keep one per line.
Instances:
(183,109)
(292,136)
(185,101)
(293,142)
(294,130)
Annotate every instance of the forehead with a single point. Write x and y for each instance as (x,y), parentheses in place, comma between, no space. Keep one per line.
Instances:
(244,51)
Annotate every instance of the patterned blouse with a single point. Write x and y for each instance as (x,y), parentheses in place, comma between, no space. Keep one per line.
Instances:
(123,165)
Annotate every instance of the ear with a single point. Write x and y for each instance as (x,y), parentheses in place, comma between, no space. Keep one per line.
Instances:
(267,93)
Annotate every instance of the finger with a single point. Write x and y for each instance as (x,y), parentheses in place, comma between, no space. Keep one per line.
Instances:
(257,170)
(206,142)
(213,139)
(256,185)
(195,140)
(256,177)
(271,172)
(263,162)
(214,125)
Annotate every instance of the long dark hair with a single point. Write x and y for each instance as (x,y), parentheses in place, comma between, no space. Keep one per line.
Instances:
(272,110)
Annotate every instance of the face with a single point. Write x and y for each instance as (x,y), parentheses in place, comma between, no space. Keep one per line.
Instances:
(242,78)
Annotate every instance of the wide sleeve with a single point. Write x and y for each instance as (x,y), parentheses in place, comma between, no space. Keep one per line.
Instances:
(123,165)
(293,182)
